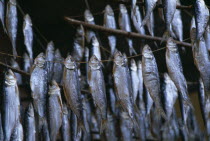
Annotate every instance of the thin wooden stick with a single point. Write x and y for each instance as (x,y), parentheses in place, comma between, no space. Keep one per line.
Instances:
(121,32)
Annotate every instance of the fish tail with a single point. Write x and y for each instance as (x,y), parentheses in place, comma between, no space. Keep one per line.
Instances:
(144,21)
(161,113)
(14,52)
(103,125)
(166,35)
(81,127)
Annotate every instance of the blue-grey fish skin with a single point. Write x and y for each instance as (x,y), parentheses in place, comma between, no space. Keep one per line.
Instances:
(89,19)
(169,8)
(74,127)
(12,23)
(175,72)
(79,44)
(109,22)
(97,88)
(125,127)
(2,14)
(54,108)
(151,78)
(28,35)
(201,17)
(124,24)
(17,132)
(111,130)
(27,63)
(95,48)
(29,124)
(113,101)
(170,95)
(136,17)
(151,24)
(1,129)
(45,131)
(10,105)
(122,86)
(15,65)
(149,6)
(38,84)
(134,79)
(207,36)
(71,87)
(50,56)
(65,128)
(58,67)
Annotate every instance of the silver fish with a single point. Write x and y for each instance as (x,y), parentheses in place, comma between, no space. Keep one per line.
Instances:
(54,109)
(15,65)
(38,83)
(10,105)
(27,64)
(65,128)
(207,36)
(79,44)
(192,24)
(17,133)
(74,127)
(113,101)
(12,23)
(50,60)
(124,24)
(175,70)
(89,19)
(29,124)
(148,102)
(170,95)
(125,127)
(169,9)
(110,132)
(28,35)
(72,90)
(45,132)
(151,78)
(136,17)
(140,77)
(2,14)
(151,25)
(109,22)
(97,89)
(58,67)
(201,17)
(135,79)
(95,48)
(122,85)
(86,60)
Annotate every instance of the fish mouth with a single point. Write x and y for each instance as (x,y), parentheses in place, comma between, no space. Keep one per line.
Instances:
(70,63)
(123,8)
(94,63)
(10,78)
(147,55)
(88,16)
(119,60)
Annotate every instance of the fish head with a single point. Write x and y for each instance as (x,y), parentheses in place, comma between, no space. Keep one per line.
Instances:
(70,63)
(133,65)
(119,60)
(123,9)
(94,41)
(50,47)
(171,45)
(88,16)
(30,111)
(58,54)
(13,2)
(147,52)
(81,31)
(27,19)
(109,11)
(139,65)
(54,88)
(10,78)
(40,60)
(193,34)
(86,52)
(94,63)
(14,64)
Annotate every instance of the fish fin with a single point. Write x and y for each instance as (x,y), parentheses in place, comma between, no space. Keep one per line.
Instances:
(166,35)
(103,125)
(160,111)
(14,53)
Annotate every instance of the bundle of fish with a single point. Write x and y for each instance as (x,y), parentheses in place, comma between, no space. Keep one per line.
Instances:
(131,101)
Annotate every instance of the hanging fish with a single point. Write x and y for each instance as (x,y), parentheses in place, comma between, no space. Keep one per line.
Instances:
(125,127)
(72,90)
(27,64)
(201,17)
(12,23)
(79,44)
(58,67)
(54,108)
(111,131)
(95,48)
(50,60)
(89,19)
(10,105)
(15,65)
(65,128)
(97,89)
(28,35)
(151,78)
(75,131)
(124,24)
(134,79)
(109,22)
(17,133)
(207,36)
(29,124)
